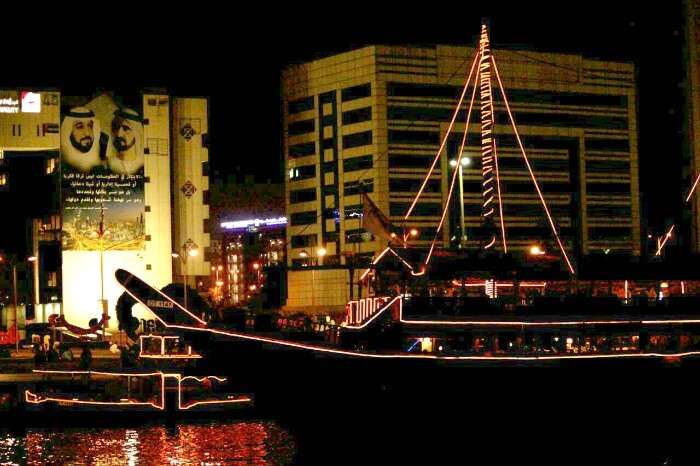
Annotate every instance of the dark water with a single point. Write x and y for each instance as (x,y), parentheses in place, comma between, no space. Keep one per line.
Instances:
(244,442)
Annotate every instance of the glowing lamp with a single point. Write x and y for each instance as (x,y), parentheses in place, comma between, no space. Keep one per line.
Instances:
(194,252)
(303,253)
(466,161)
(536,251)
(321,252)
(31,258)
(664,284)
(453,163)
(414,232)
(175,255)
(256,266)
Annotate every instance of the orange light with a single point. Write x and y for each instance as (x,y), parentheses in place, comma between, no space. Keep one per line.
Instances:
(414,232)
(536,251)
(256,266)
(252,287)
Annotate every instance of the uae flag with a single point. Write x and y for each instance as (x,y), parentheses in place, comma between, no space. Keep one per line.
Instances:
(374,221)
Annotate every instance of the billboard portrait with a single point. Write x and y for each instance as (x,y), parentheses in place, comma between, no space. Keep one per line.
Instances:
(102,177)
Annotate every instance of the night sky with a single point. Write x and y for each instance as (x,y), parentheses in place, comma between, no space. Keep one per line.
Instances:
(236,57)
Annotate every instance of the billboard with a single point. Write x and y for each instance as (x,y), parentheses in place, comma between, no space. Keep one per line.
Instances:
(102,195)
(102,178)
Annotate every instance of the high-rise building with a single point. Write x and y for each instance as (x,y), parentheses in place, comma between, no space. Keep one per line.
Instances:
(692,120)
(372,120)
(131,191)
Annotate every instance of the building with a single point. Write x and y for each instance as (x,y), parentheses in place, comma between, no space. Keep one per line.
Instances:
(250,229)
(130,189)
(372,119)
(692,113)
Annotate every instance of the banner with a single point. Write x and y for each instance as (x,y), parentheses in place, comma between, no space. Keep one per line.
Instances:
(102,177)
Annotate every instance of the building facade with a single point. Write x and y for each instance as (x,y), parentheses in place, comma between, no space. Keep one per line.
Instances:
(692,120)
(131,189)
(372,120)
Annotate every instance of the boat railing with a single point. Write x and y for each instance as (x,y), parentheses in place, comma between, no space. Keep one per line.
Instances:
(551,305)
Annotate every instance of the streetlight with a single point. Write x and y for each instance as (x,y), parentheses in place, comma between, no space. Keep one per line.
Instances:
(463,162)
(414,232)
(536,251)
(192,252)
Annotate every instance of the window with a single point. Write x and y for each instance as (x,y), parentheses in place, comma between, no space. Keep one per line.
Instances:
(3,179)
(50,165)
(356,187)
(301,127)
(52,279)
(358,235)
(623,212)
(300,105)
(357,116)
(608,188)
(607,166)
(358,139)
(205,168)
(422,209)
(302,173)
(408,185)
(303,218)
(353,211)
(602,233)
(303,149)
(615,145)
(205,225)
(205,197)
(410,161)
(302,195)
(356,92)
(303,241)
(363,162)
(414,137)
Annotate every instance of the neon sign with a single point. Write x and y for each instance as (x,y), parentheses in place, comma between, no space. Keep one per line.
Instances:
(254,223)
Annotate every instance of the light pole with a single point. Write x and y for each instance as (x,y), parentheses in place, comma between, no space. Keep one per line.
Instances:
(13,263)
(192,252)
(218,282)
(459,164)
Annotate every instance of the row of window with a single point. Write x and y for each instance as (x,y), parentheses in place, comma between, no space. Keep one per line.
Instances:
(350,141)
(514,95)
(533,119)
(348,94)
(305,172)
(350,117)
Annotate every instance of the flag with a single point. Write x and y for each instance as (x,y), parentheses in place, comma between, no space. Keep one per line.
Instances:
(374,221)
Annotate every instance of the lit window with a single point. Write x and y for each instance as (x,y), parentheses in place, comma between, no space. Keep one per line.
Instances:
(50,165)
(3,179)
(52,279)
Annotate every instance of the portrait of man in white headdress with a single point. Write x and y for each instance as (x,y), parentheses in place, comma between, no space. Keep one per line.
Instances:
(126,154)
(80,136)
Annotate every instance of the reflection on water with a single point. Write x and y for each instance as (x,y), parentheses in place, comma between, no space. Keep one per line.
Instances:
(258,443)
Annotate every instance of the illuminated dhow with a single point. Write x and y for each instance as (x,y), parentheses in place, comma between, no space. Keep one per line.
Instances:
(467,330)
